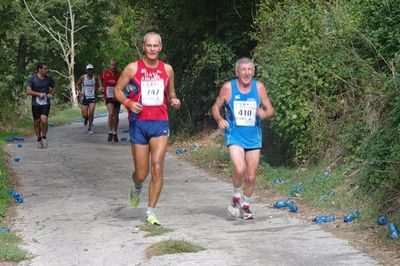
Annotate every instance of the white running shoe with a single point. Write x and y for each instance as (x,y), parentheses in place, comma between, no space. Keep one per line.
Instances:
(44,143)
(247,214)
(234,209)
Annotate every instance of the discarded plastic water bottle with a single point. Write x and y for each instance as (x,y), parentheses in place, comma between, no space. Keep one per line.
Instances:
(181,151)
(18,197)
(323,219)
(353,215)
(394,232)
(292,207)
(18,139)
(195,147)
(282,203)
(382,220)
(296,189)
(277,180)
(4,230)
(326,173)
(17,159)
(19,145)
(130,88)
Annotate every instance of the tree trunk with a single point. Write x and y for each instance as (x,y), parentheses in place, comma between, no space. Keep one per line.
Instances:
(21,61)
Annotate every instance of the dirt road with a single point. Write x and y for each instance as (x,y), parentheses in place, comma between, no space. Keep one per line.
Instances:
(76,211)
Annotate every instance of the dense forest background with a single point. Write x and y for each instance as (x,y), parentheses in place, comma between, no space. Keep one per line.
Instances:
(331,69)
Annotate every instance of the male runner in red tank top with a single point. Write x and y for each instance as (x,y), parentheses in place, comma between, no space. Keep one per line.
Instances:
(107,80)
(151,88)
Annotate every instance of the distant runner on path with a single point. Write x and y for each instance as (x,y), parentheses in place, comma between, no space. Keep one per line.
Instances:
(108,79)
(39,86)
(152,88)
(87,86)
(246,103)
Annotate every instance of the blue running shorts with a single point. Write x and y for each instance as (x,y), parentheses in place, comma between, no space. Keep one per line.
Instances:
(141,132)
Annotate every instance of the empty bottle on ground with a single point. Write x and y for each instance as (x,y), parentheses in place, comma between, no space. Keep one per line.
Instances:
(382,220)
(351,216)
(282,203)
(323,219)
(394,232)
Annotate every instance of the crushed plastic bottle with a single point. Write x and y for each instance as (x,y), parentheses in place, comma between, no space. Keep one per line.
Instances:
(18,139)
(277,180)
(296,189)
(323,219)
(19,145)
(326,173)
(292,207)
(351,216)
(195,147)
(18,197)
(394,232)
(282,203)
(17,159)
(382,220)
(181,151)
(4,230)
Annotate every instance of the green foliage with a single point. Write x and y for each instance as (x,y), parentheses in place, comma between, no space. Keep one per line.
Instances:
(380,153)
(332,76)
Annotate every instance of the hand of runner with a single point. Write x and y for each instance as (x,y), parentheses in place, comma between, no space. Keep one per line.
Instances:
(222,124)
(136,107)
(175,103)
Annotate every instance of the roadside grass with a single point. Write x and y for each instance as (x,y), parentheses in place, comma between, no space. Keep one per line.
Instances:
(153,230)
(172,247)
(4,186)
(326,191)
(65,114)
(9,250)
(212,158)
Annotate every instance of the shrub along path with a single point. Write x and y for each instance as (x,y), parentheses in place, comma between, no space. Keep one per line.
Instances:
(76,212)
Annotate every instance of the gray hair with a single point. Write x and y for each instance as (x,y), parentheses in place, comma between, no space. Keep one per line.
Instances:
(151,33)
(244,60)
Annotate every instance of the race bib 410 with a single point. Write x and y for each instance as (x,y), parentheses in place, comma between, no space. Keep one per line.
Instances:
(245,112)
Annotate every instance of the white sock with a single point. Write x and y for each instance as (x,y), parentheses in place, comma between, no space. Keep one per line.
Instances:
(246,201)
(237,192)
(149,211)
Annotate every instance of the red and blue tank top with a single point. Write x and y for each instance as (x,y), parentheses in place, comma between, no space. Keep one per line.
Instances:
(151,90)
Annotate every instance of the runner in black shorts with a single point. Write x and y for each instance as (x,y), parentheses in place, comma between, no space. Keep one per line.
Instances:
(39,86)
(87,86)
(107,80)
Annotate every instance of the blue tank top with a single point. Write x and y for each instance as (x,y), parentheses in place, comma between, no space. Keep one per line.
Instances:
(241,113)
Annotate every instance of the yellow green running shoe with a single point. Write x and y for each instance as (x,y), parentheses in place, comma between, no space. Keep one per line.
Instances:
(152,219)
(134,196)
